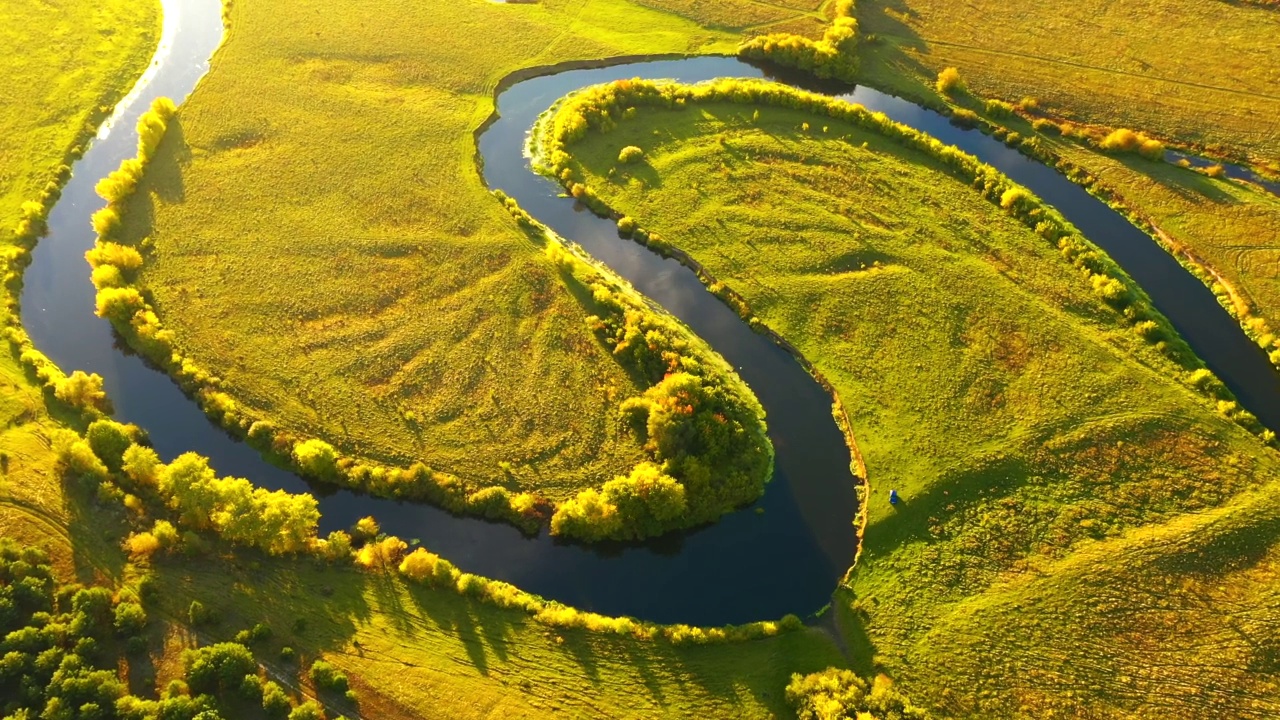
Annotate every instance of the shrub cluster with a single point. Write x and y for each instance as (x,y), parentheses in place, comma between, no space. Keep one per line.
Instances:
(834,57)
(427,568)
(1127,141)
(596,109)
(281,523)
(61,647)
(949,81)
(112,454)
(702,428)
(722,458)
(835,693)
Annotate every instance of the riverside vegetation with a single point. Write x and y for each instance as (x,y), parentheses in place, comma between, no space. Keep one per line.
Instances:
(1224,230)
(56,491)
(1061,456)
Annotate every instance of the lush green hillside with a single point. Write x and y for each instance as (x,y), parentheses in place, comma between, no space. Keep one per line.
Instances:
(1048,456)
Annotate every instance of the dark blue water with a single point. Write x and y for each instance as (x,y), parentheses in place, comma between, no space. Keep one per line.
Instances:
(748,566)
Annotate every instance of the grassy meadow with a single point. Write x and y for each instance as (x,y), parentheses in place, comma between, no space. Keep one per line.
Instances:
(320,238)
(1201,71)
(69,62)
(1229,227)
(1067,500)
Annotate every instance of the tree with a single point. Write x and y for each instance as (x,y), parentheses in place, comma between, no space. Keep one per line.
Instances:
(316,458)
(308,710)
(275,703)
(110,440)
(218,668)
(142,465)
(367,528)
(119,304)
(189,484)
(82,391)
(327,677)
(949,81)
(422,565)
(130,618)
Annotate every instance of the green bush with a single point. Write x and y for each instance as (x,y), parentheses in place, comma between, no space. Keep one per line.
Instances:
(999,108)
(316,458)
(835,693)
(835,56)
(109,440)
(218,668)
(630,154)
(308,710)
(130,619)
(328,677)
(275,702)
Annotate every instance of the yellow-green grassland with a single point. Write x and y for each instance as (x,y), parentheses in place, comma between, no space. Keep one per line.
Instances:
(1197,74)
(68,63)
(1069,498)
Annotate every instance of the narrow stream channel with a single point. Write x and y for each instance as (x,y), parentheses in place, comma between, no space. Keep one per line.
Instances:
(750,565)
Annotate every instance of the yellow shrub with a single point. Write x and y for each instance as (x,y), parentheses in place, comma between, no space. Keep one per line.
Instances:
(949,80)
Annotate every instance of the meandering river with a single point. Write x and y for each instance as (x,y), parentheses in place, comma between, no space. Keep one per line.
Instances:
(782,555)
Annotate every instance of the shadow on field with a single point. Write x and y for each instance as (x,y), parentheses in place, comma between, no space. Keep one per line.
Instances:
(1186,183)
(166,166)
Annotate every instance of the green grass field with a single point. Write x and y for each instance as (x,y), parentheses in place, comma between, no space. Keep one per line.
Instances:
(70,62)
(1065,494)
(390,306)
(1230,227)
(1081,533)
(1201,71)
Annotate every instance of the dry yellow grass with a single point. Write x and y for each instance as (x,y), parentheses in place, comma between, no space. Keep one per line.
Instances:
(1199,70)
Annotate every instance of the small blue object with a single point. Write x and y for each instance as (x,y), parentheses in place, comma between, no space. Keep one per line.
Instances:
(893,497)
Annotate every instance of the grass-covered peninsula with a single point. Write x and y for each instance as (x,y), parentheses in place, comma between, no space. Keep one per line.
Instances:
(462,362)
(1044,445)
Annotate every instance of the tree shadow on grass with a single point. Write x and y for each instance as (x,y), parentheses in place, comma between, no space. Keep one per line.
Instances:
(482,630)
(309,606)
(1184,182)
(164,173)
